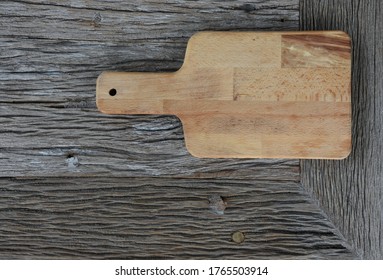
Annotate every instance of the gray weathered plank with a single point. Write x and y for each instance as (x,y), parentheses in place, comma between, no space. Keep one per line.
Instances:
(162,218)
(54,51)
(351,190)
(51,56)
(49,141)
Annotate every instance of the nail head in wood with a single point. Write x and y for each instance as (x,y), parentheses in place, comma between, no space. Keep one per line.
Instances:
(238,237)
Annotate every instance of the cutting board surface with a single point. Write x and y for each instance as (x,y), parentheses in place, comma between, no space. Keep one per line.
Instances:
(249,94)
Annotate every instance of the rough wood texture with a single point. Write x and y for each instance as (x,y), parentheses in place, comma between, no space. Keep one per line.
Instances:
(351,191)
(231,107)
(50,140)
(163,218)
(51,55)
(54,52)
(50,63)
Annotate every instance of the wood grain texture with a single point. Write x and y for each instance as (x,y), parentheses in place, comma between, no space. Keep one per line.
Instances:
(42,140)
(303,84)
(351,191)
(50,62)
(54,52)
(51,55)
(310,69)
(162,219)
(316,50)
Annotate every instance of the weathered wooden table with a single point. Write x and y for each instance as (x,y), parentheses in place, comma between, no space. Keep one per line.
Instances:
(79,184)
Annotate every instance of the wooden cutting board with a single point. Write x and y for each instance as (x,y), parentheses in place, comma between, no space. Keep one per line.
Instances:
(249,94)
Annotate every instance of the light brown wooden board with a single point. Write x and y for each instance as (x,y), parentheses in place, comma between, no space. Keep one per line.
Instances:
(249,94)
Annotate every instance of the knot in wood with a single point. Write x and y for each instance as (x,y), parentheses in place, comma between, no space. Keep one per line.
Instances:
(217,204)
(96,21)
(72,162)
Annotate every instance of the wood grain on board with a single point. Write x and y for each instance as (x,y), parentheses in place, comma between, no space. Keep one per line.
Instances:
(249,94)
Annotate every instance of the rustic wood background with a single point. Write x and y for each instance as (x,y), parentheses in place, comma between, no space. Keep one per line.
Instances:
(75,183)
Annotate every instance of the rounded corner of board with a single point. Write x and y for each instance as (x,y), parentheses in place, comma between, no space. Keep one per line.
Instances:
(196,155)
(100,106)
(344,33)
(344,155)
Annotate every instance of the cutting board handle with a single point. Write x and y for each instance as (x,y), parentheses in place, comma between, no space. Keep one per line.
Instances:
(148,93)
(134,93)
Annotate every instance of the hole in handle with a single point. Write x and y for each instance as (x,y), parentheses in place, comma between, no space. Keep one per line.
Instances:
(112,92)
